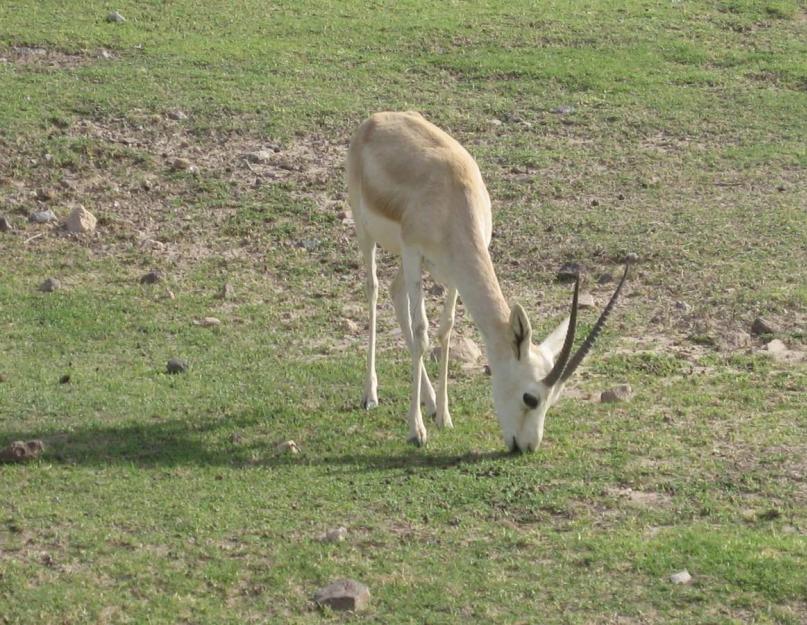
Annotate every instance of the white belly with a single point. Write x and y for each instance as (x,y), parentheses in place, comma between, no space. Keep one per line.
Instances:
(383,231)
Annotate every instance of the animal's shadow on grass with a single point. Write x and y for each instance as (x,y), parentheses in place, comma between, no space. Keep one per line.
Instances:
(215,442)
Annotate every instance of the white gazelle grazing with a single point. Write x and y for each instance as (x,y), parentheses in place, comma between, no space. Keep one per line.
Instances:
(417,192)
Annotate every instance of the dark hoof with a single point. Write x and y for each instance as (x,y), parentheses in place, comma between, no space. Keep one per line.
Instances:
(414,440)
(368,404)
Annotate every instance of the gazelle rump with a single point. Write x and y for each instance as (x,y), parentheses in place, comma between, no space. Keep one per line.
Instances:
(416,192)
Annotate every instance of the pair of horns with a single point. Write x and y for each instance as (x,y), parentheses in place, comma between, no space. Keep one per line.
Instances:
(565,365)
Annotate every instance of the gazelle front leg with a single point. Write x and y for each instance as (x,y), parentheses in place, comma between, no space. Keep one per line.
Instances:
(400,301)
(420,340)
(371,381)
(444,336)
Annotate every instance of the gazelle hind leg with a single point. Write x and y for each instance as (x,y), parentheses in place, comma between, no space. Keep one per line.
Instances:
(400,301)
(412,261)
(368,246)
(444,336)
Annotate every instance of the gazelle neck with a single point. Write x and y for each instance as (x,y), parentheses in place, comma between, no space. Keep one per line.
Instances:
(483,298)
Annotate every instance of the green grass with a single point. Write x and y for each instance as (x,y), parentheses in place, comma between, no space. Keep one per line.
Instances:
(162,499)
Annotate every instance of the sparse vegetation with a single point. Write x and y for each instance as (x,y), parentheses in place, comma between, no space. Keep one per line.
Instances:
(674,130)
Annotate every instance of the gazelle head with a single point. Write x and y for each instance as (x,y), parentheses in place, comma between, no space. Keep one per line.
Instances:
(528,382)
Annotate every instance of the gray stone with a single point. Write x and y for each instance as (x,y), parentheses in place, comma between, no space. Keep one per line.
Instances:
(344,594)
(50,285)
(115,17)
(564,110)
(176,365)
(569,271)
(776,347)
(177,115)
(621,392)
(260,156)
(763,326)
(336,535)
(681,577)
(683,307)
(80,220)
(586,300)
(152,277)
(43,217)
(20,451)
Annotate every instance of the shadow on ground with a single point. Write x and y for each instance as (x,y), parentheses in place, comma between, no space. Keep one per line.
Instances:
(209,442)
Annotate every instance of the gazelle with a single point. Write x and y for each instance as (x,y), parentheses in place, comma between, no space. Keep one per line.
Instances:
(419,194)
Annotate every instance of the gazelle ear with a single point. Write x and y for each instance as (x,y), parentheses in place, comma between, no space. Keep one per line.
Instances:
(553,343)
(522,331)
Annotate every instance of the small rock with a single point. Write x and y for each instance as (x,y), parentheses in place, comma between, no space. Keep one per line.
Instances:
(182,164)
(563,110)
(287,447)
(650,182)
(437,290)
(309,245)
(176,365)
(681,577)
(106,54)
(50,285)
(207,322)
(683,307)
(45,195)
(20,451)
(595,203)
(619,393)
(260,157)
(776,347)
(463,349)
(350,326)
(763,326)
(115,17)
(631,258)
(43,217)
(495,122)
(344,594)
(227,291)
(737,340)
(152,277)
(177,115)
(336,535)
(568,272)
(65,379)
(5,224)
(80,220)
(586,300)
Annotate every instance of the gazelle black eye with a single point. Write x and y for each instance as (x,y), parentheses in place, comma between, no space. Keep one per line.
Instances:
(530,400)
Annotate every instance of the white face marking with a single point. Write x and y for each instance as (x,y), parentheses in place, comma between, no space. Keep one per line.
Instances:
(522,426)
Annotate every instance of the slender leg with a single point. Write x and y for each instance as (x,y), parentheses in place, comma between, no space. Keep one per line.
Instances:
(444,336)
(371,381)
(400,301)
(420,340)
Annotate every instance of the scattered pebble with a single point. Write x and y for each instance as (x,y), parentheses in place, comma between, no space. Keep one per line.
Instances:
(586,300)
(5,224)
(176,365)
(260,157)
(681,577)
(568,272)
(595,203)
(287,447)
(227,291)
(495,122)
(776,347)
(152,277)
(50,285)
(683,307)
(344,594)
(336,535)
(207,322)
(350,326)
(80,220)
(177,115)
(737,340)
(619,393)
(763,326)
(462,349)
(563,110)
(115,17)
(43,217)
(65,379)
(45,195)
(309,245)
(182,164)
(20,451)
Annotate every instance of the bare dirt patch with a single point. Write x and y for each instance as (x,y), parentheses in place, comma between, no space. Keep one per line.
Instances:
(36,57)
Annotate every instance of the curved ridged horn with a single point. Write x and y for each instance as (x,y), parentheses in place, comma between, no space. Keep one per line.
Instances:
(560,363)
(581,352)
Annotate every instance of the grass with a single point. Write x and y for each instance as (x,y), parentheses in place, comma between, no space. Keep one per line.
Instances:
(162,499)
